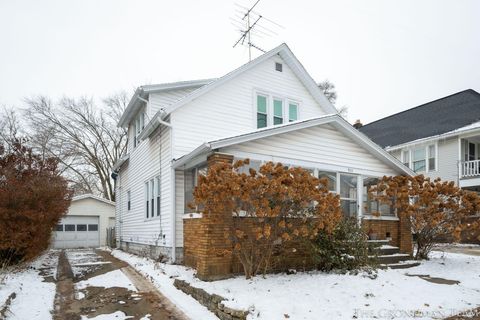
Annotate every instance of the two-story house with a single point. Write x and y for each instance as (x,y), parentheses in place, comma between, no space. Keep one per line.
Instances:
(439,139)
(269,109)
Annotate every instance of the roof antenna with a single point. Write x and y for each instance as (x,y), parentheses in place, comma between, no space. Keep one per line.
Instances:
(247,22)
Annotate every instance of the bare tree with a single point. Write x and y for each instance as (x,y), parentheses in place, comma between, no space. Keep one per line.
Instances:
(9,125)
(83,135)
(328,89)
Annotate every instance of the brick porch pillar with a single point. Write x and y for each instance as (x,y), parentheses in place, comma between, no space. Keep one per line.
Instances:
(405,235)
(212,263)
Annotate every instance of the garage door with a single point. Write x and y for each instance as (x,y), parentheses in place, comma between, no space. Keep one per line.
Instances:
(77,232)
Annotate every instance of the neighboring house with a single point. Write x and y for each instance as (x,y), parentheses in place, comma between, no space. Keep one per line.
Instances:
(85,224)
(269,109)
(437,139)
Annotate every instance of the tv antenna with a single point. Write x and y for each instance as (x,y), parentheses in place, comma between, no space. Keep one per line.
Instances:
(249,23)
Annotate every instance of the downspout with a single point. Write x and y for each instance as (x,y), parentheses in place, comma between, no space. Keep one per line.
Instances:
(172,191)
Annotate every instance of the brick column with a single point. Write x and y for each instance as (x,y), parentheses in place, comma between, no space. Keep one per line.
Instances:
(211,262)
(405,238)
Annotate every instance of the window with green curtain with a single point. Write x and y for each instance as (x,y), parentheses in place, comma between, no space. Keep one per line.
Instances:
(277,111)
(292,112)
(261,111)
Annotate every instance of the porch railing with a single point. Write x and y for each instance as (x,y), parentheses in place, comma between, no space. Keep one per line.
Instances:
(470,169)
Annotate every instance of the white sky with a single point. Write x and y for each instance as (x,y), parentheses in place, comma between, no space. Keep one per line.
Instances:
(383,56)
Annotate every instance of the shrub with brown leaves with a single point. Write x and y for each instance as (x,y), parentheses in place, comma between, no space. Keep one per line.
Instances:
(436,209)
(33,198)
(268,208)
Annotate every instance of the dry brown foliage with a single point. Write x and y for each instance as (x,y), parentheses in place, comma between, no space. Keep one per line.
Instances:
(436,209)
(266,209)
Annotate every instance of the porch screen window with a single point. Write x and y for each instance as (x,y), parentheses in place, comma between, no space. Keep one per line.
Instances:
(261,111)
(277,111)
(331,179)
(157,193)
(372,206)
(348,195)
(191,181)
(431,158)
(418,160)
(292,112)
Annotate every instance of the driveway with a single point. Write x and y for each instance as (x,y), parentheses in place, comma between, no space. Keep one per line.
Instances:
(93,283)
(472,250)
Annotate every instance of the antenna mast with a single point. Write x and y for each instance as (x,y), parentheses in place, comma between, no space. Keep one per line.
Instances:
(247,22)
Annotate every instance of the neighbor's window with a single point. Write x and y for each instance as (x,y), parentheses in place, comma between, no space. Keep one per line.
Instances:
(59,227)
(69,227)
(418,161)
(431,158)
(292,112)
(261,111)
(406,157)
(93,227)
(81,227)
(277,111)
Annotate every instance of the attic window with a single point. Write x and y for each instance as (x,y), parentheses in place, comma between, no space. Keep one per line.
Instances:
(278,67)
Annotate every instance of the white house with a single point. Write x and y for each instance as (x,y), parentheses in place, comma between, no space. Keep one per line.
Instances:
(85,224)
(269,109)
(439,139)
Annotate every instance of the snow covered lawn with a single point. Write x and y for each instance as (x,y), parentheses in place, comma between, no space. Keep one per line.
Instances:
(34,297)
(393,294)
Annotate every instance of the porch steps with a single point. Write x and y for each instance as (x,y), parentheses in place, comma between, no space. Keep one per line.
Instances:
(389,256)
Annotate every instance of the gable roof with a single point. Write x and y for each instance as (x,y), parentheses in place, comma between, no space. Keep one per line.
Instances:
(94,197)
(142,92)
(284,52)
(334,119)
(430,119)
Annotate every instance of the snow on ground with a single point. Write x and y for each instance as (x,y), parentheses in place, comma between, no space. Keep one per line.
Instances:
(118,315)
(394,294)
(162,276)
(34,297)
(115,278)
(83,261)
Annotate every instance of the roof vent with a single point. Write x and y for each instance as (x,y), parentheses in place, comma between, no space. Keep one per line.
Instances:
(278,67)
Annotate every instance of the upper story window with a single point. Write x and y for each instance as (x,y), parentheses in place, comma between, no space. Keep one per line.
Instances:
(138,126)
(421,159)
(274,110)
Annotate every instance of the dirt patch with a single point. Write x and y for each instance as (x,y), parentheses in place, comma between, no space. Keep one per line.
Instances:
(427,277)
(473,314)
(93,301)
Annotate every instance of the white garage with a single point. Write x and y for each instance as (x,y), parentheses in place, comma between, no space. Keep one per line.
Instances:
(85,224)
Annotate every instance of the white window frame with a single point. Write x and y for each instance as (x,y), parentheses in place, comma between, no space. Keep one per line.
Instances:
(158,197)
(410,152)
(286,101)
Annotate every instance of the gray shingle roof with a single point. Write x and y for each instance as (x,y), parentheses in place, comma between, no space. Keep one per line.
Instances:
(429,119)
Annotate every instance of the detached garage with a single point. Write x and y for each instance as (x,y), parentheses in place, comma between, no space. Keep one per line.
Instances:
(85,224)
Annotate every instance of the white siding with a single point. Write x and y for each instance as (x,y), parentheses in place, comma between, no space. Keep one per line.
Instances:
(143,165)
(322,146)
(447,160)
(230,108)
(166,98)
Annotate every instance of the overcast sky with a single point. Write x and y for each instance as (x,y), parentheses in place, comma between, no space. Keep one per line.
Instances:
(383,56)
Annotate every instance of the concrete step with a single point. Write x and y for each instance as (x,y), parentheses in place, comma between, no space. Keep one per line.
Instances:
(377,243)
(393,258)
(386,250)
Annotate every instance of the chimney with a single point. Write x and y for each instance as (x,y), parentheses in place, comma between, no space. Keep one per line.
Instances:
(357,124)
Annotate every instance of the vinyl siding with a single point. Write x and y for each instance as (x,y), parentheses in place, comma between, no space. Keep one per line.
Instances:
(230,108)
(322,146)
(166,98)
(143,165)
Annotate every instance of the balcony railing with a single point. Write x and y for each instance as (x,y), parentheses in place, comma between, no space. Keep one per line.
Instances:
(470,169)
